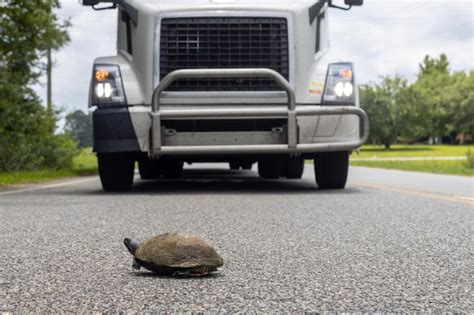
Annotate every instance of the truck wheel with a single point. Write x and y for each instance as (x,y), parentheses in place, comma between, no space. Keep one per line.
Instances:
(116,171)
(234,166)
(269,168)
(331,169)
(294,168)
(172,169)
(149,169)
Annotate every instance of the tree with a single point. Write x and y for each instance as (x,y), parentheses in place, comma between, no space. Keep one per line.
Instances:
(28,30)
(389,106)
(443,94)
(439,103)
(79,127)
(464,115)
(448,98)
(431,65)
(27,140)
(459,105)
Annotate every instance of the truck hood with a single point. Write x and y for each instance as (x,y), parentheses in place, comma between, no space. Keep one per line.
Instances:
(158,6)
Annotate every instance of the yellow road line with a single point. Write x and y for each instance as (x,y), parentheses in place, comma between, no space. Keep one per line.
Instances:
(457,199)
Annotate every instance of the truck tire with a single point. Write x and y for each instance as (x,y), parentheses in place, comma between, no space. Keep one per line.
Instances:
(331,169)
(149,169)
(294,168)
(269,168)
(172,169)
(116,171)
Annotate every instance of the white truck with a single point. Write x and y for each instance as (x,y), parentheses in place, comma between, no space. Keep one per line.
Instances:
(234,81)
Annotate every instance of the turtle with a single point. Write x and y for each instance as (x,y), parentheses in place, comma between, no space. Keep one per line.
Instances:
(175,254)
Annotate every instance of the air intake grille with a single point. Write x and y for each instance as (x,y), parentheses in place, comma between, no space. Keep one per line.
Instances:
(224,42)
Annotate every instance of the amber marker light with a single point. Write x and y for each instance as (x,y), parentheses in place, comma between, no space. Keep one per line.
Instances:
(346,73)
(101,75)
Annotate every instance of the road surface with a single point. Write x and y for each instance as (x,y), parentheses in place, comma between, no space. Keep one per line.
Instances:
(392,241)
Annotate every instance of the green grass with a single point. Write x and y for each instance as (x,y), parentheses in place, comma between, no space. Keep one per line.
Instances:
(83,164)
(86,163)
(369,151)
(437,167)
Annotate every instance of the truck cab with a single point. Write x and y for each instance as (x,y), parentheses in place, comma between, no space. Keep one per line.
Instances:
(233,81)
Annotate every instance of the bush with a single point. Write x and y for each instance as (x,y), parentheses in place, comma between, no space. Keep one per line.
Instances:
(27,139)
(36,152)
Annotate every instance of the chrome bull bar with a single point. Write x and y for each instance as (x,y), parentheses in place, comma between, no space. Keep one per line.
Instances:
(291,112)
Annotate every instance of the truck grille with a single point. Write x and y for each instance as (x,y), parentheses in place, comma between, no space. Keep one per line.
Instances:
(224,42)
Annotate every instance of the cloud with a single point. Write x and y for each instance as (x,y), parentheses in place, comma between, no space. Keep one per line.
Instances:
(392,37)
(382,37)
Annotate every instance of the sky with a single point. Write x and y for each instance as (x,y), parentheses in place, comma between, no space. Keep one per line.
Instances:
(383,37)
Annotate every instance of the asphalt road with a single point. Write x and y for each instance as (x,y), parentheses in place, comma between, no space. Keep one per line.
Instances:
(287,246)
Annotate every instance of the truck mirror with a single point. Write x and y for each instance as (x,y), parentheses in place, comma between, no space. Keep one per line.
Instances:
(89,2)
(348,3)
(354,2)
(94,3)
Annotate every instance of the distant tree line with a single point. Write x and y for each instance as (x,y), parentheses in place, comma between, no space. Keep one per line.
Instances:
(79,128)
(439,104)
(28,30)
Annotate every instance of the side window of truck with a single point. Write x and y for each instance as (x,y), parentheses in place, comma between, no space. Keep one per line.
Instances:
(128,28)
(320,23)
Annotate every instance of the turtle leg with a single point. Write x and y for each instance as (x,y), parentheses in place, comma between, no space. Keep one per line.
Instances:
(182,273)
(136,264)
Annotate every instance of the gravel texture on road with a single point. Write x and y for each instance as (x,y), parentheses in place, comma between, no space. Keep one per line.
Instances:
(287,246)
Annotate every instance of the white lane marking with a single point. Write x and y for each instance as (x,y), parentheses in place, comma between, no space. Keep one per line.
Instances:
(409,191)
(61,184)
(464,198)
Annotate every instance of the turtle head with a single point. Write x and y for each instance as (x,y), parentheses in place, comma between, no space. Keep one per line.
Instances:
(131,245)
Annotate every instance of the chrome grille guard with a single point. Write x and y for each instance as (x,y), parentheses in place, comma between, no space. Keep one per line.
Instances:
(291,112)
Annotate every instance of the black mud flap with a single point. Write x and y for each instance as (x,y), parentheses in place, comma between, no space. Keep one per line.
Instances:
(113,131)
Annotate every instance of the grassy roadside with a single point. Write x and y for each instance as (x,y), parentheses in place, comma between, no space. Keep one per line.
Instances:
(436,167)
(84,164)
(370,151)
(401,151)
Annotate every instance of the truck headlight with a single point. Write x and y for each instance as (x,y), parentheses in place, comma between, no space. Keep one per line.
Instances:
(339,87)
(107,86)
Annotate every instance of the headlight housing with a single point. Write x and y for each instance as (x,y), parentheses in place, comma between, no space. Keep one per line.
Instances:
(339,88)
(107,87)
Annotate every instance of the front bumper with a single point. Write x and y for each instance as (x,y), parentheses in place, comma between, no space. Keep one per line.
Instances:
(223,145)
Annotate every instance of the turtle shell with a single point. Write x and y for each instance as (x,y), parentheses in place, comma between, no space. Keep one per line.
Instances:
(181,251)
